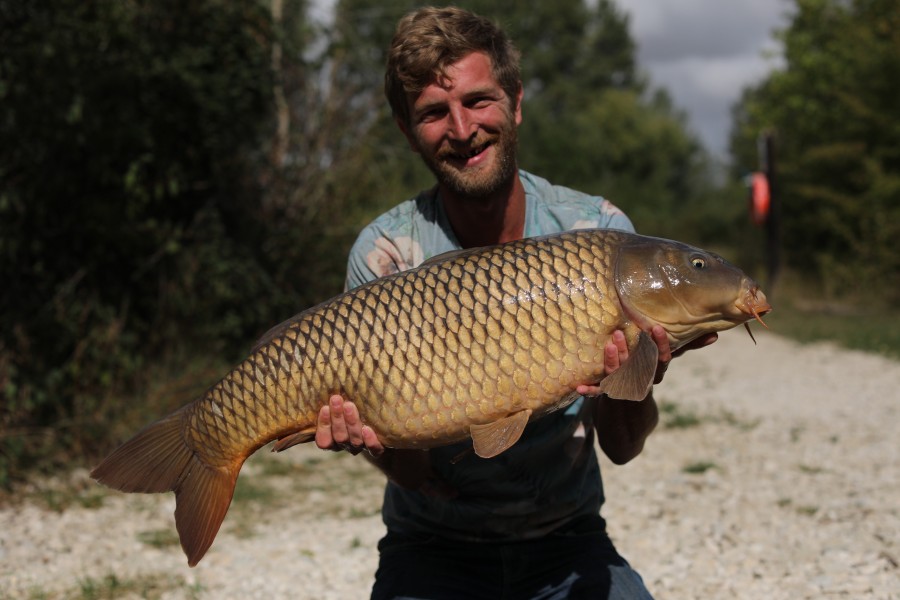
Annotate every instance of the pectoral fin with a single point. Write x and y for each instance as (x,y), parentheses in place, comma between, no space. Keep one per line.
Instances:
(300,437)
(633,379)
(493,438)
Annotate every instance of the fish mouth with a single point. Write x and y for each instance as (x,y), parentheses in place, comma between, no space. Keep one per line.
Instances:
(753,304)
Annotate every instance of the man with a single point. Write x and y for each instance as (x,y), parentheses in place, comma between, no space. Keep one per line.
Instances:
(524,524)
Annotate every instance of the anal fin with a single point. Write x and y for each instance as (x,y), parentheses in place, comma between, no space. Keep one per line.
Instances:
(633,379)
(490,439)
(299,437)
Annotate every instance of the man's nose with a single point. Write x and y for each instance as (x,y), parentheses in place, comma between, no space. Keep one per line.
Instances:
(462,126)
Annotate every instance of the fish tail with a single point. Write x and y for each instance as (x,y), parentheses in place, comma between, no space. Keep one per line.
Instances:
(158,459)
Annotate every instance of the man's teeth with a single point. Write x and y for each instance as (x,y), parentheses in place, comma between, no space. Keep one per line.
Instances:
(471,153)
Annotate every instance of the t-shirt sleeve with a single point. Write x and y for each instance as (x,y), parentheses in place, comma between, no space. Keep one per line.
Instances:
(377,252)
(615,218)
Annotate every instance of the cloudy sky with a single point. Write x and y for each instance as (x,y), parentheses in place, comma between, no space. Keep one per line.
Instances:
(705,52)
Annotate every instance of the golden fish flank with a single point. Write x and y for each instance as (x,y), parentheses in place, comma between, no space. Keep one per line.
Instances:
(471,344)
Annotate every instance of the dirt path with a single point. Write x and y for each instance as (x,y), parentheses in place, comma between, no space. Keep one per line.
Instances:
(775,474)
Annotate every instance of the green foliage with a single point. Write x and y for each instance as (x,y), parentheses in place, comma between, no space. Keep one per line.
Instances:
(175,178)
(835,111)
(127,135)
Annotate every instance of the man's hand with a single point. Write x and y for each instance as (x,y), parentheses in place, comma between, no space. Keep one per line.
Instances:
(623,426)
(339,428)
(616,353)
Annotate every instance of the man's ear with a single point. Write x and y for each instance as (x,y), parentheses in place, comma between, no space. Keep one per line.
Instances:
(518,108)
(404,128)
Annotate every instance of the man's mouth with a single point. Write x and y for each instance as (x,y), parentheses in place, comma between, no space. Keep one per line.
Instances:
(465,156)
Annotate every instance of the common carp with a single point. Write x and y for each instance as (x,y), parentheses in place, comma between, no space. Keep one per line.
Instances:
(475,343)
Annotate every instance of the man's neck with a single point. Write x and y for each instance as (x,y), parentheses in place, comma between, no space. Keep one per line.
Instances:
(487,221)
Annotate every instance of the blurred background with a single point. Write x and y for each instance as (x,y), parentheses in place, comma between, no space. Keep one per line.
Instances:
(176,177)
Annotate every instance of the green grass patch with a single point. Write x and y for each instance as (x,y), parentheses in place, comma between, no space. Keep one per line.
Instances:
(810,470)
(674,416)
(876,331)
(159,538)
(699,467)
(250,491)
(58,496)
(111,587)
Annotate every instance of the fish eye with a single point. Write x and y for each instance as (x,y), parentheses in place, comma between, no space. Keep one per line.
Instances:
(698,262)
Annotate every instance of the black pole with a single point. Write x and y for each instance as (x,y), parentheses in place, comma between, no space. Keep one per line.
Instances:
(773,219)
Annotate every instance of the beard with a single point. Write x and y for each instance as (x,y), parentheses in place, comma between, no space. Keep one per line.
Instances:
(480,182)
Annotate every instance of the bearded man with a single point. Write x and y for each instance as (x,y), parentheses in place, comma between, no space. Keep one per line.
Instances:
(525,524)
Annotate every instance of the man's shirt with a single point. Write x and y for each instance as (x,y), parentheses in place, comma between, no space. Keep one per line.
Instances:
(551,475)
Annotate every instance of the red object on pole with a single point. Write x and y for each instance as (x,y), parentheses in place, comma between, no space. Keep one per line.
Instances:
(760,198)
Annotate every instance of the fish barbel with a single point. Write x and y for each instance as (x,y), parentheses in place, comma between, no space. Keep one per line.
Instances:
(475,344)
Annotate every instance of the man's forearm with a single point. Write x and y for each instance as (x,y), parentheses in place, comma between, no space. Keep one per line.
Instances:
(623,426)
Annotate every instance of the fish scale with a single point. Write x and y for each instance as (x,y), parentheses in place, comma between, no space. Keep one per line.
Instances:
(476,343)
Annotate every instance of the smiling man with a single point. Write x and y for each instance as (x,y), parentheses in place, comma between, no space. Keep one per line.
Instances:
(525,524)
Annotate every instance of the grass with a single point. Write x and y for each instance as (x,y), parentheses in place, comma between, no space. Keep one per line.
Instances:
(875,331)
(111,587)
(699,467)
(159,538)
(674,416)
(810,470)
(61,493)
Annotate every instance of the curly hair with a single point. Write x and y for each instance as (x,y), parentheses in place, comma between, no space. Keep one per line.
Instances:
(429,40)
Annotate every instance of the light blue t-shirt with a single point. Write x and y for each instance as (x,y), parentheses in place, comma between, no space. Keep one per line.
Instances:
(551,475)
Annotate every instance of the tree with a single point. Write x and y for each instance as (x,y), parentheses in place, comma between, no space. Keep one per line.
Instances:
(835,113)
(128,136)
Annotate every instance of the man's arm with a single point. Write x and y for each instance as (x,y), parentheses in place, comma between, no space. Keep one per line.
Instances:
(624,425)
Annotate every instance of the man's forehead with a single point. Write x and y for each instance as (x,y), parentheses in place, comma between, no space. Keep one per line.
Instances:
(473,71)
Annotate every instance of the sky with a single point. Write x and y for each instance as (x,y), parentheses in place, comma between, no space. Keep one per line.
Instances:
(705,52)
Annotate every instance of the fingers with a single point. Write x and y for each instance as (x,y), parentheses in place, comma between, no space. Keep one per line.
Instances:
(373,445)
(665,352)
(324,439)
(615,352)
(339,428)
(662,343)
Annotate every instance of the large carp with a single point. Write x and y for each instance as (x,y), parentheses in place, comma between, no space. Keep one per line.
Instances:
(474,343)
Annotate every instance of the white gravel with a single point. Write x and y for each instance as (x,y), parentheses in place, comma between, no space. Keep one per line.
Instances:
(777,477)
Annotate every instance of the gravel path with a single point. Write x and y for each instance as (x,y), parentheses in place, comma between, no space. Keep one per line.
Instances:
(775,474)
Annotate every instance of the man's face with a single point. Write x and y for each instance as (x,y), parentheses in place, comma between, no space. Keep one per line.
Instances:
(464,128)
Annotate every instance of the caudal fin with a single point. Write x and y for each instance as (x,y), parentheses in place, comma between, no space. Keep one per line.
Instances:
(158,460)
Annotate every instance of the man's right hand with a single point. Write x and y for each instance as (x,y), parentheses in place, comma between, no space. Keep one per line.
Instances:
(339,428)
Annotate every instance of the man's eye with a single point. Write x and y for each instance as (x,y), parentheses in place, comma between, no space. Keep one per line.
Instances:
(431,115)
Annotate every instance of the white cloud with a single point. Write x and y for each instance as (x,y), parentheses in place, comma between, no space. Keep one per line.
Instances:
(705,52)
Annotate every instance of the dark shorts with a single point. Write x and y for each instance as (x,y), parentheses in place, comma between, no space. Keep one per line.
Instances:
(580,562)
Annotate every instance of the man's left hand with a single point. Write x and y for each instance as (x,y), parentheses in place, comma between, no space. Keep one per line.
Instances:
(615,353)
